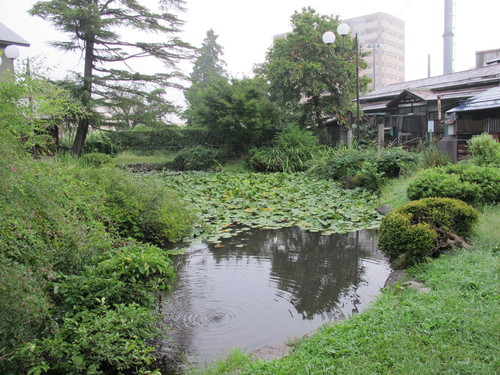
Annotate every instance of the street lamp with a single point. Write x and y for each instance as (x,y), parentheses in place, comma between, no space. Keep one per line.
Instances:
(329,38)
(12,53)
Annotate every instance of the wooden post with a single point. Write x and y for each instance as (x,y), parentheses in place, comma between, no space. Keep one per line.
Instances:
(381,142)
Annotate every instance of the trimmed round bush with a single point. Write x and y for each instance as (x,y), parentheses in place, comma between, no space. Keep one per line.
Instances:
(424,228)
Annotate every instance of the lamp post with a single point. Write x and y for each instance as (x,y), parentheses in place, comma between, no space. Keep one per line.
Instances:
(353,53)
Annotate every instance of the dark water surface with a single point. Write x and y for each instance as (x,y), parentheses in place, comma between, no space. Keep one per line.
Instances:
(268,286)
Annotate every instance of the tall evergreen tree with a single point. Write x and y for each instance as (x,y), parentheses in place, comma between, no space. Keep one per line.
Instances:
(208,64)
(93,27)
(208,68)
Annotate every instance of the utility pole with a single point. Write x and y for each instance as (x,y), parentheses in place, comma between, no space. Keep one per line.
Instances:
(374,46)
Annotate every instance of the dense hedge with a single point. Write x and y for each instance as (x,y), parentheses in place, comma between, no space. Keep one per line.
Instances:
(174,138)
(424,228)
(471,183)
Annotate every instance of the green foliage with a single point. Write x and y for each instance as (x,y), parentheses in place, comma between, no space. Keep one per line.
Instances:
(301,69)
(484,150)
(98,341)
(170,138)
(364,168)
(239,110)
(431,157)
(138,207)
(94,28)
(470,183)
(101,142)
(419,229)
(195,159)
(293,148)
(394,161)
(97,159)
(70,286)
(208,64)
(227,203)
(30,104)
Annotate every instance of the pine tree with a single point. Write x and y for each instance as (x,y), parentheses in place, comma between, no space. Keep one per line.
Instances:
(208,64)
(93,27)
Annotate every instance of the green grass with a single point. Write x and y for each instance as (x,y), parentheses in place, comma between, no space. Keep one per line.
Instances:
(129,158)
(393,193)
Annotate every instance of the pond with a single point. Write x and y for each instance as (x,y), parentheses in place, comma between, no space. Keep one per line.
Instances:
(266,287)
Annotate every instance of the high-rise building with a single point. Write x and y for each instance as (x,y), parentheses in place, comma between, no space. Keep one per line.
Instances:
(383,36)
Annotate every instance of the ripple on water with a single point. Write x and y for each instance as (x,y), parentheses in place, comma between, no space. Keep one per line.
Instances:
(283,284)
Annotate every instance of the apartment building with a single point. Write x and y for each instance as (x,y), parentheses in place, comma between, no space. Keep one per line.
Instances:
(383,36)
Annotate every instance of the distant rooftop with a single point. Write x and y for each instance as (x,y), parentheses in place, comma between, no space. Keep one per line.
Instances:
(9,37)
(484,75)
(486,100)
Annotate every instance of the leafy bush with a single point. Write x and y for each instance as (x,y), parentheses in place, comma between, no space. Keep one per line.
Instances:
(424,228)
(394,161)
(484,150)
(99,341)
(97,159)
(101,142)
(293,148)
(70,285)
(195,159)
(470,183)
(431,157)
(364,168)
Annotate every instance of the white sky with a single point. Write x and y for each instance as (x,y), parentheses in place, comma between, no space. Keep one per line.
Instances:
(246,28)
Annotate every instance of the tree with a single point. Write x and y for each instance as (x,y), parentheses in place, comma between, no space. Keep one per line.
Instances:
(128,110)
(208,67)
(208,64)
(238,109)
(93,26)
(305,78)
(31,106)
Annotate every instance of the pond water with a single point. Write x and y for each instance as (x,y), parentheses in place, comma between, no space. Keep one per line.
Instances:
(266,287)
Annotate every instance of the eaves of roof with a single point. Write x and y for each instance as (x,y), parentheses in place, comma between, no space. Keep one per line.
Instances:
(9,37)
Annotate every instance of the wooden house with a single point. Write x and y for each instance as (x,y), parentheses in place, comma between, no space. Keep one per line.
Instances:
(414,110)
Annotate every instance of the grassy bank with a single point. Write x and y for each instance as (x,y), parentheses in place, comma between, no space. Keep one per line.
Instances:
(452,329)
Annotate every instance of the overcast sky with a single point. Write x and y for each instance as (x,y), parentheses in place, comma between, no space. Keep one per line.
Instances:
(246,28)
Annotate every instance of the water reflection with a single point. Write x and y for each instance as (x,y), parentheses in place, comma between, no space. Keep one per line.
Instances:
(267,286)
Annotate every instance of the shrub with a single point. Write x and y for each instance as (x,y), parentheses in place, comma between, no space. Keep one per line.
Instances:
(101,142)
(97,159)
(364,168)
(484,150)
(394,161)
(100,341)
(293,148)
(195,159)
(432,157)
(424,228)
(470,183)
(70,286)
(138,207)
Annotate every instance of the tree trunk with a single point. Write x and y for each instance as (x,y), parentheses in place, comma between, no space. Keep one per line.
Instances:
(83,124)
